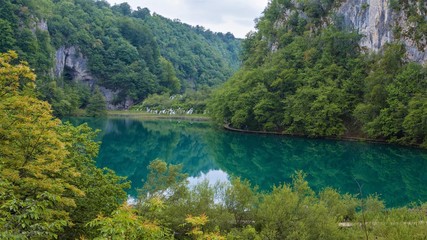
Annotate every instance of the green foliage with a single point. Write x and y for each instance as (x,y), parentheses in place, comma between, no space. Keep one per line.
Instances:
(241,200)
(163,180)
(316,112)
(235,210)
(66,98)
(32,44)
(7,40)
(168,77)
(125,224)
(96,104)
(304,75)
(301,89)
(200,57)
(49,184)
(103,190)
(193,101)
(129,52)
(291,212)
(391,87)
(36,190)
(415,121)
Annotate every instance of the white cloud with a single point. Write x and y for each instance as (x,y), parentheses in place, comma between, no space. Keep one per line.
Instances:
(235,16)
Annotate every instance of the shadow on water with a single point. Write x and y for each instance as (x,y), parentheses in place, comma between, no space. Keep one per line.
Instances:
(396,174)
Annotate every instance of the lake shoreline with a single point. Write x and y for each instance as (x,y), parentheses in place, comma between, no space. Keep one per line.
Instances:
(129,144)
(340,138)
(145,115)
(205,118)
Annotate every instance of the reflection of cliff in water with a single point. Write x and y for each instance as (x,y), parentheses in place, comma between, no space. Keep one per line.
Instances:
(397,174)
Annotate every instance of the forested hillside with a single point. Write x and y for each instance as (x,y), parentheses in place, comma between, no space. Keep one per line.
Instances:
(200,56)
(309,78)
(86,52)
(305,72)
(50,188)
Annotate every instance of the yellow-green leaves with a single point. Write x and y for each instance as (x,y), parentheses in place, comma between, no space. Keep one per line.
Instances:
(125,224)
(48,179)
(14,77)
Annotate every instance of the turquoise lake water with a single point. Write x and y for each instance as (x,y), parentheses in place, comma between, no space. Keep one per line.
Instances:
(397,174)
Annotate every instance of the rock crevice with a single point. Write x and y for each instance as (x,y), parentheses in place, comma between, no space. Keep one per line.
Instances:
(73,59)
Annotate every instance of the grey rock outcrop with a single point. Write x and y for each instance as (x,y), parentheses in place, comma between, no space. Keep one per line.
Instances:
(376,20)
(72,58)
(110,97)
(42,25)
(38,24)
(77,64)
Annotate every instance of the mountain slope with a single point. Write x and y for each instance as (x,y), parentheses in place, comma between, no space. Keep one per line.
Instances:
(76,45)
(197,54)
(309,70)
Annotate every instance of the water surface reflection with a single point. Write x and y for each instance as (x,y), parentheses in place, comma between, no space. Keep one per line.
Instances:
(397,174)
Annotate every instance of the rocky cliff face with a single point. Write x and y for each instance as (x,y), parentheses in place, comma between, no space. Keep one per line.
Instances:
(110,97)
(377,21)
(71,58)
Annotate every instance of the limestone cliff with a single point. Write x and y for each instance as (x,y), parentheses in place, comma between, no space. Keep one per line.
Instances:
(77,64)
(71,58)
(111,96)
(379,23)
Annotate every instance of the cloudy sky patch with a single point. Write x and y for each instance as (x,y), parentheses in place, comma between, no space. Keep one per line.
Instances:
(235,16)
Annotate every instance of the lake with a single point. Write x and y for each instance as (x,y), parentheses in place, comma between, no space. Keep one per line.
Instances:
(397,174)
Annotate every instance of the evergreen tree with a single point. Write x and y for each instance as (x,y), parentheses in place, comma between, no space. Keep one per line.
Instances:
(96,105)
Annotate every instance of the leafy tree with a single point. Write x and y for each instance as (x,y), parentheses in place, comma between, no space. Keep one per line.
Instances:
(289,211)
(241,200)
(168,77)
(96,104)
(7,40)
(50,186)
(414,123)
(163,180)
(304,75)
(122,8)
(36,191)
(103,190)
(392,86)
(315,112)
(125,224)
(199,57)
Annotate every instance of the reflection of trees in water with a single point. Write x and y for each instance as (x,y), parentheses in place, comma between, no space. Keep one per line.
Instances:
(396,173)
(129,145)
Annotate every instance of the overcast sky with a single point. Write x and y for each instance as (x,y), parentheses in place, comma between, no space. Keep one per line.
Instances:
(235,16)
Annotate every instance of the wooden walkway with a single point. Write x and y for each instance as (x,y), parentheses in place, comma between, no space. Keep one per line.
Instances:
(354,139)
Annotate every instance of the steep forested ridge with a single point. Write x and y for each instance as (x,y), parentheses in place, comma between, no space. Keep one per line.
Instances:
(304,72)
(128,54)
(200,56)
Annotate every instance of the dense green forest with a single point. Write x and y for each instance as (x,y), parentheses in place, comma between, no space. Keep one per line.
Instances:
(306,74)
(299,77)
(130,54)
(201,57)
(50,188)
